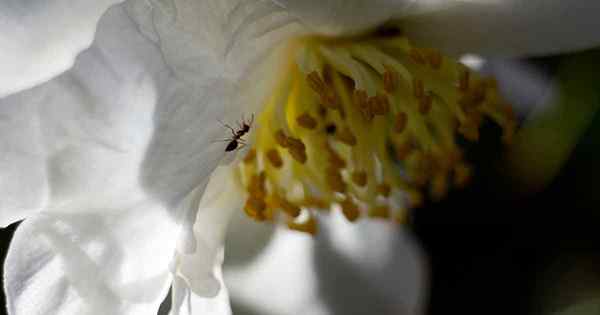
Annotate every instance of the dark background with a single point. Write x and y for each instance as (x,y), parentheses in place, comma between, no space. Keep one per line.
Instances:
(497,247)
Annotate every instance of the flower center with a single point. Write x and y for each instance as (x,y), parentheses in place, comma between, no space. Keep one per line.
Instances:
(364,125)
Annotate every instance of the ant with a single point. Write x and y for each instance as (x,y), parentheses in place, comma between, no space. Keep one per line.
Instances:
(236,135)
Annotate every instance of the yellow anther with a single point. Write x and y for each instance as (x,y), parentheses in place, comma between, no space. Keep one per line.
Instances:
(462,175)
(306,121)
(359,178)
(400,122)
(335,160)
(328,97)
(408,105)
(334,180)
(309,226)
(418,88)
(250,156)
(298,154)
(469,130)
(255,208)
(295,143)
(379,212)
(313,202)
(425,104)
(416,56)
(390,80)
(434,58)
(361,99)
(274,157)
(379,105)
(463,80)
(256,187)
(403,150)
(346,136)
(384,189)
(289,208)
(473,97)
(350,210)
(439,187)
(401,216)
(281,138)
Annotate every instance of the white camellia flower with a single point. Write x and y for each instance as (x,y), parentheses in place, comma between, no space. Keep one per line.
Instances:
(110,116)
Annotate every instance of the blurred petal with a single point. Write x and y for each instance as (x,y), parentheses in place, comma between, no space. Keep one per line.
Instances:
(343,17)
(524,86)
(280,281)
(40,39)
(505,27)
(197,268)
(360,268)
(379,268)
(93,262)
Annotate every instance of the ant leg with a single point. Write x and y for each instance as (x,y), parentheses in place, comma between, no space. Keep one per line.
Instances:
(227,126)
(221,140)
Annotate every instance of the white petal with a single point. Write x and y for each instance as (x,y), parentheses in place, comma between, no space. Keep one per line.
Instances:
(84,134)
(506,27)
(40,39)
(280,281)
(343,17)
(380,263)
(186,302)
(197,268)
(93,262)
(360,268)
(118,122)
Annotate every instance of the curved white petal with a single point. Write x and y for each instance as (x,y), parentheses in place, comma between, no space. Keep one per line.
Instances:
(506,27)
(344,17)
(197,267)
(280,281)
(384,268)
(187,302)
(117,123)
(40,39)
(78,140)
(360,268)
(93,262)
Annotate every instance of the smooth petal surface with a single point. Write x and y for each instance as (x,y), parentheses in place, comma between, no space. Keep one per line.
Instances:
(93,262)
(40,39)
(505,27)
(360,268)
(344,17)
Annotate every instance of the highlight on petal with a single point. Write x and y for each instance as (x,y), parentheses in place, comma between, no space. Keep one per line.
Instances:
(40,39)
(187,302)
(199,268)
(505,27)
(92,262)
(343,17)
(80,138)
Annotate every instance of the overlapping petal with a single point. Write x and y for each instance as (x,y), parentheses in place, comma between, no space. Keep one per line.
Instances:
(98,261)
(199,265)
(505,27)
(378,268)
(40,39)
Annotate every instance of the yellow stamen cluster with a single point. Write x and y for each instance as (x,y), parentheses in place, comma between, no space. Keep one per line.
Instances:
(365,126)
